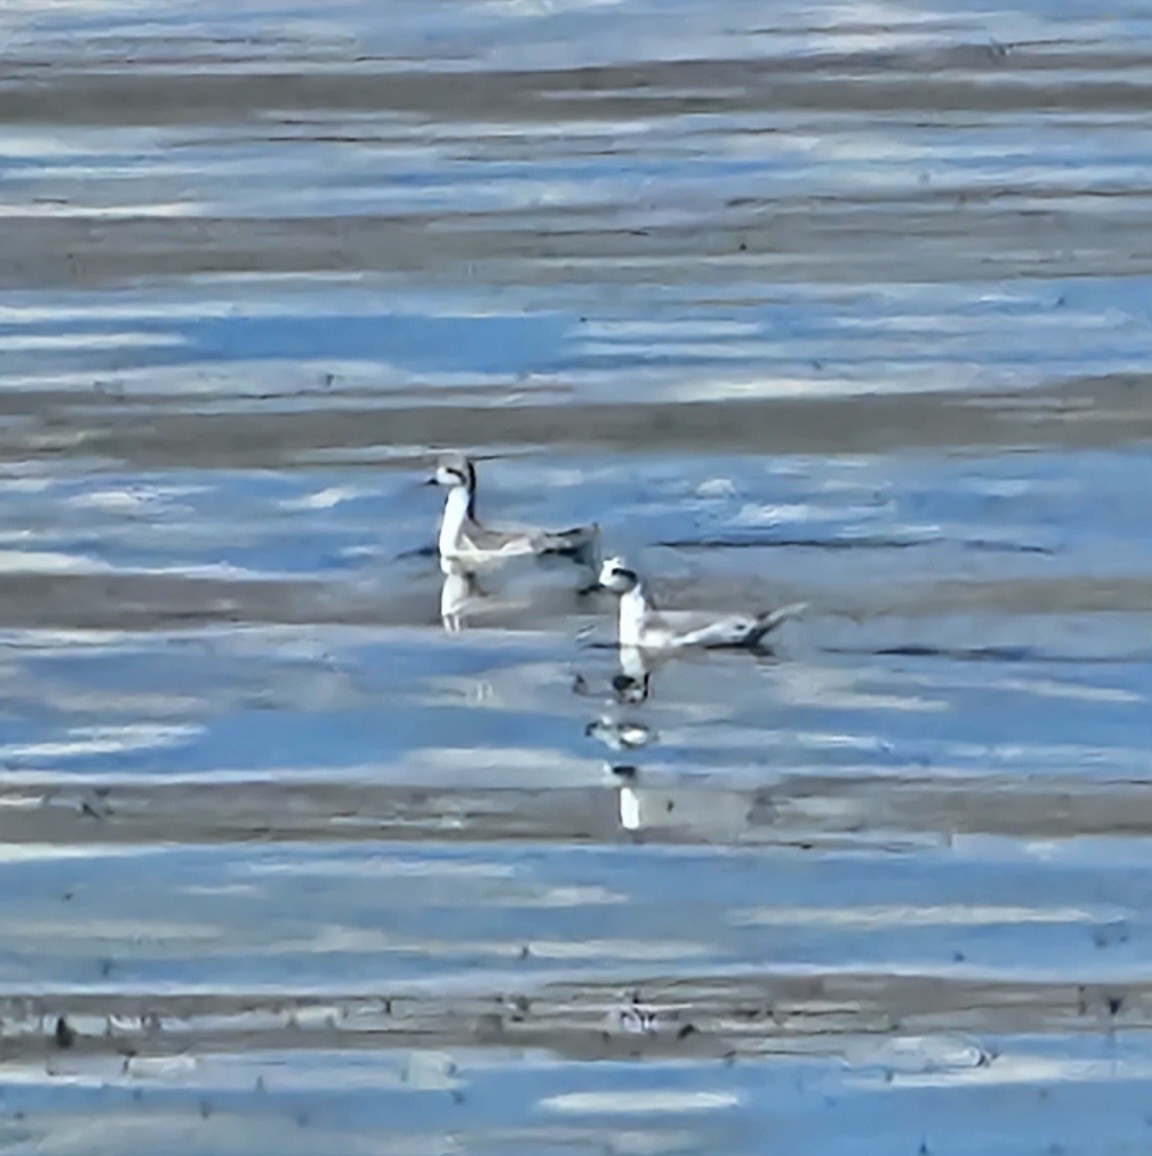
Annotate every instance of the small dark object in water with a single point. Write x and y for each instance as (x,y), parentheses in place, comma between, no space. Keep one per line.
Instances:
(65,1036)
(1110,935)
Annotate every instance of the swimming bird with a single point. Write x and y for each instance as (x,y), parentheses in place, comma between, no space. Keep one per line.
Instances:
(463,540)
(642,627)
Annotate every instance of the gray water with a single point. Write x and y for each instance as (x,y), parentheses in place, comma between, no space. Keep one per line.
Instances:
(846,303)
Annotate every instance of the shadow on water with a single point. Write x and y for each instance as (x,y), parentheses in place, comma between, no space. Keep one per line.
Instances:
(311,847)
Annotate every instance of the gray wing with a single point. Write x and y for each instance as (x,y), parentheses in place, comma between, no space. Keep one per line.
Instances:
(579,542)
(511,542)
(483,540)
(675,628)
(735,630)
(693,629)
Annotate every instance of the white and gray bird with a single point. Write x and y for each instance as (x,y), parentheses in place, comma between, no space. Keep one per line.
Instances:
(463,540)
(642,627)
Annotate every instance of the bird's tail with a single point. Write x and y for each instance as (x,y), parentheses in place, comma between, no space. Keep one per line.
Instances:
(581,543)
(766,623)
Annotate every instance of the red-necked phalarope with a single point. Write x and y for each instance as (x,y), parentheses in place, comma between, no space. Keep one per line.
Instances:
(644,628)
(463,541)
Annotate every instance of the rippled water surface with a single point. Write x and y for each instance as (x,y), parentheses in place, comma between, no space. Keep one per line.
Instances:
(846,303)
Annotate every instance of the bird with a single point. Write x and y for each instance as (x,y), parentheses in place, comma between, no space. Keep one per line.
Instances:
(644,628)
(464,541)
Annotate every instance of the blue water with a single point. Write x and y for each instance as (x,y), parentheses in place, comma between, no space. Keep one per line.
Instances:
(847,305)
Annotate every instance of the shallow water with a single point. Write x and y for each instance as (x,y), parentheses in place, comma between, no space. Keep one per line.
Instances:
(841,303)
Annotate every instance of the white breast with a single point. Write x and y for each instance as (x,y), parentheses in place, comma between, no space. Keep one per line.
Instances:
(452,523)
(633,611)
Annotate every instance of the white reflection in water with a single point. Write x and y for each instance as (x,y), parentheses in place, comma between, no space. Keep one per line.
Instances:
(621,734)
(133,500)
(460,597)
(104,740)
(92,933)
(41,852)
(713,815)
(108,212)
(1017,1069)
(690,327)
(942,915)
(327,498)
(498,767)
(47,342)
(382,866)
(630,814)
(779,513)
(1050,688)
(917,1054)
(49,562)
(624,1103)
(647,951)
(824,687)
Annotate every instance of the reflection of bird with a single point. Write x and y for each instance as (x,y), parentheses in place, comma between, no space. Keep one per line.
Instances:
(620,736)
(635,677)
(643,627)
(458,595)
(634,1018)
(631,816)
(464,540)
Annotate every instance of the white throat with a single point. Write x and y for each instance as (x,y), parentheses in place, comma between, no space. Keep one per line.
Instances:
(453,519)
(633,611)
